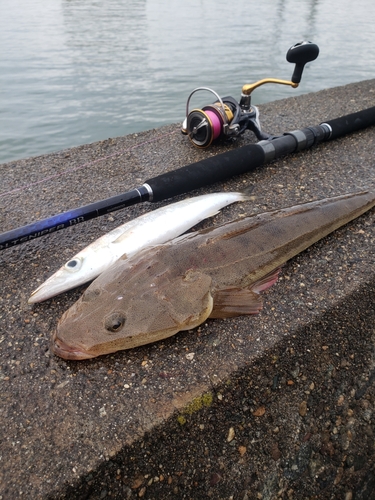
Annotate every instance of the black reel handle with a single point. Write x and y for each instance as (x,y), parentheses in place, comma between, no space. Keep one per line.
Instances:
(300,54)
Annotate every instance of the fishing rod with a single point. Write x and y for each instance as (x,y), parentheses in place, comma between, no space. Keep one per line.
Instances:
(198,175)
(204,172)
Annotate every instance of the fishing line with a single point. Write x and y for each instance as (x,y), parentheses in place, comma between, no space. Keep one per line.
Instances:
(84,165)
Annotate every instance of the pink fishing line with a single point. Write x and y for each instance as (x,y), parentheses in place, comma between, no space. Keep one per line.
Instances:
(216,122)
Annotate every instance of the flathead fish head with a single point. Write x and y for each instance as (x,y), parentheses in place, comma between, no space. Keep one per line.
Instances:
(126,309)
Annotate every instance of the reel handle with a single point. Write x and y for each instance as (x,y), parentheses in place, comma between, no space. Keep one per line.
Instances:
(300,54)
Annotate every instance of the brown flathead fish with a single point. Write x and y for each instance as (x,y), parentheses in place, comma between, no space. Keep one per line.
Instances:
(215,273)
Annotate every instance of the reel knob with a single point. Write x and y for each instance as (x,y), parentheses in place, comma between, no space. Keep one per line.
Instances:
(300,54)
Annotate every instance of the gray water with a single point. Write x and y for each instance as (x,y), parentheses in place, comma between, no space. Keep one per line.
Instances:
(74,71)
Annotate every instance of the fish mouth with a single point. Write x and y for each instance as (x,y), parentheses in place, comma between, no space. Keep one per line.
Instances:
(44,292)
(65,351)
(50,289)
(38,295)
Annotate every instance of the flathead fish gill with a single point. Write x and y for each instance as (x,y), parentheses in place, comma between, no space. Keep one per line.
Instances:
(214,273)
(152,228)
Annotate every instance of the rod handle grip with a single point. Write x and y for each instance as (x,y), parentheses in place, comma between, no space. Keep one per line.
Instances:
(205,172)
(352,123)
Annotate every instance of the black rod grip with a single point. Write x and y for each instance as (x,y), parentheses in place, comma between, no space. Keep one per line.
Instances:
(206,172)
(351,123)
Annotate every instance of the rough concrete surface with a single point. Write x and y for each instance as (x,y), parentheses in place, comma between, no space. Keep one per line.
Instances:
(279,405)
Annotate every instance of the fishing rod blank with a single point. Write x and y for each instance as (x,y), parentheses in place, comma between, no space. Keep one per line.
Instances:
(197,175)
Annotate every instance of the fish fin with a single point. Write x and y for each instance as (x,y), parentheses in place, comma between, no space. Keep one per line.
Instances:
(212,214)
(266,282)
(236,302)
(240,301)
(247,193)
(124,236)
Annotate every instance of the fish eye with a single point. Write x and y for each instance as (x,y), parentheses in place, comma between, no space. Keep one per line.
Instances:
(114,322)
(73,265)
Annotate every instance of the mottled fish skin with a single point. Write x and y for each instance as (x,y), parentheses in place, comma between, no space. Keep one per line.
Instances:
(217,272)
(152,228)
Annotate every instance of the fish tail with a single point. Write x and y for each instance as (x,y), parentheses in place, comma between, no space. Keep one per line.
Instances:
(246,194)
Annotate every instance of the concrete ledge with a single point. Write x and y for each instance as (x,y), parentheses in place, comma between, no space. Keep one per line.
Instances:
(275,406)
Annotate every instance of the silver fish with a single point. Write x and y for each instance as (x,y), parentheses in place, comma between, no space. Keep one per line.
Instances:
(214,273)
(152,228)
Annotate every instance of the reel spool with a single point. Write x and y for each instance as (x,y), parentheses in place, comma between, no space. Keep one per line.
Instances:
(227,118)
(212,121)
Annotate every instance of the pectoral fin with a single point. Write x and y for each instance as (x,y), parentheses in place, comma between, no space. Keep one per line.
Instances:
(236,302)
(240,301)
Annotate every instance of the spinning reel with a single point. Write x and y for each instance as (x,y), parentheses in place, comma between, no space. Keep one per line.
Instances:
(226,118)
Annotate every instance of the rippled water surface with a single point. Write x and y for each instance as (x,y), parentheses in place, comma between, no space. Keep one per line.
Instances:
(73,71)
